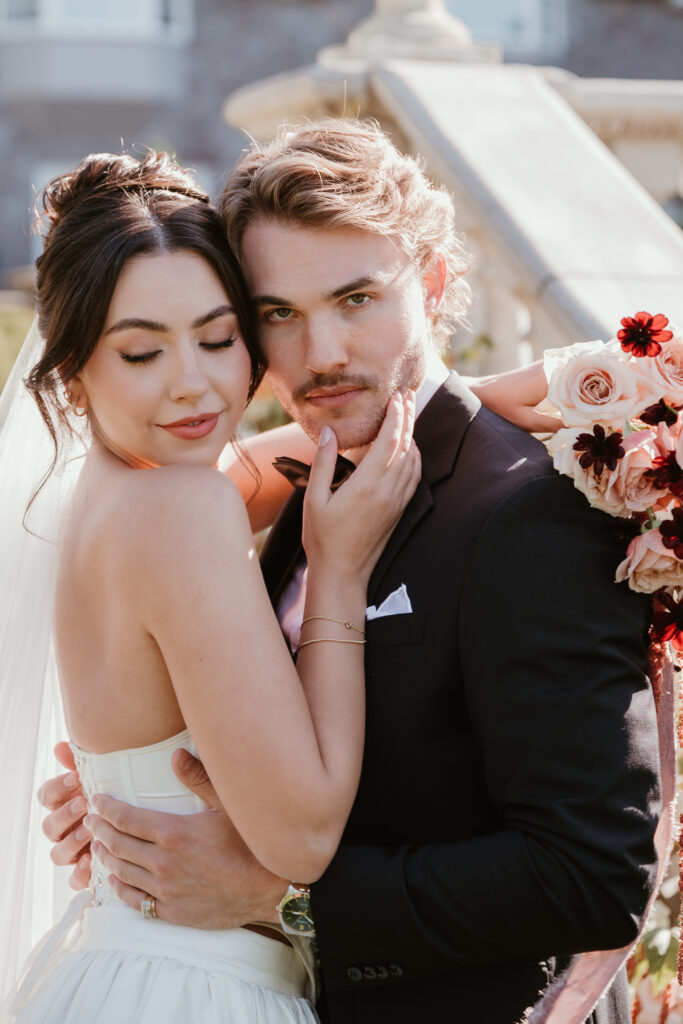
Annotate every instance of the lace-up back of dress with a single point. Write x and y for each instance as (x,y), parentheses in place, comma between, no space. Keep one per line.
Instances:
(141,776)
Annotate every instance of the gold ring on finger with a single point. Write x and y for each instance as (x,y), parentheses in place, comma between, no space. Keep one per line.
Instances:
(148,908)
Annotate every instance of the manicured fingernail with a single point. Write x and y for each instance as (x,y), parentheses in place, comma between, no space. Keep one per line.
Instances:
(82,833)
(84,862)
(96,802)
(325,435)
(88,822)
(78,806)
(70,780)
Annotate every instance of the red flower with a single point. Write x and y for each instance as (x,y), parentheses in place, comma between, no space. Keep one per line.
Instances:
(672,533)
(660,412)
(667,620)
(644,334)
(599,449)
(667,474)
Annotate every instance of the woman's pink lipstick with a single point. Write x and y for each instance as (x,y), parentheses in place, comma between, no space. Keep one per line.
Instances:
(192,427)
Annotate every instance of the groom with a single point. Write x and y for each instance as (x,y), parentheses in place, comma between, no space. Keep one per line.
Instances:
(509,793)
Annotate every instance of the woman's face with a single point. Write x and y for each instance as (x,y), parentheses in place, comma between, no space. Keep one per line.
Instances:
(169,378)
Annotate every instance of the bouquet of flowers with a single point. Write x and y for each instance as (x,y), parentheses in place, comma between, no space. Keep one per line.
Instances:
(621,404)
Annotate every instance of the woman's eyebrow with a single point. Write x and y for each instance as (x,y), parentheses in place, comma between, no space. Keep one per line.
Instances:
(131,322)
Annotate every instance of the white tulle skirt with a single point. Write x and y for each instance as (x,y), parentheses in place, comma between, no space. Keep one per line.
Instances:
(116,966)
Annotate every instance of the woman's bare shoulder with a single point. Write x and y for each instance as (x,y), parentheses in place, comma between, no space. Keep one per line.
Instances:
(176,504)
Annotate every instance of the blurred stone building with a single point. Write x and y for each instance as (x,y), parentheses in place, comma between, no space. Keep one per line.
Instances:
(78,76)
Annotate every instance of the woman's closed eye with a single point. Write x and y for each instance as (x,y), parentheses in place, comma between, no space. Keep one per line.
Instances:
(209,346)
(215,346)
(143,357)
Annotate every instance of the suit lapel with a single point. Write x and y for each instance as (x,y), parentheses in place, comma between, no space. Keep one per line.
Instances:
(439,433)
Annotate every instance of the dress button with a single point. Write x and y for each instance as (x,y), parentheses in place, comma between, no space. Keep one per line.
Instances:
(395,970)
(354,974)
(382,972)
(369,973)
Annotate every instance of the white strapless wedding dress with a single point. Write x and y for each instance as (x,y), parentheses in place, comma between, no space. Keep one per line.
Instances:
(103,963)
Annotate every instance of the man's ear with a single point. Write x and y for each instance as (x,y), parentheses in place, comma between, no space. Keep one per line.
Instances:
(434,282)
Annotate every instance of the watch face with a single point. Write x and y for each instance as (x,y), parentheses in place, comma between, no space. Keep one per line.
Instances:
(296,914)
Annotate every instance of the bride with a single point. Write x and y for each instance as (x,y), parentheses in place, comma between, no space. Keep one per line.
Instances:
(165,636)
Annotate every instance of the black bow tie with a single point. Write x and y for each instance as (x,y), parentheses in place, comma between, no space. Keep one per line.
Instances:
(298,472)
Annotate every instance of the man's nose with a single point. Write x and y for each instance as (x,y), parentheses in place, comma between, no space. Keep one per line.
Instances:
(325,346)
(188,380)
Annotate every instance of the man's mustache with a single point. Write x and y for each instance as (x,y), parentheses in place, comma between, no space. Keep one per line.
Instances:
(335,380)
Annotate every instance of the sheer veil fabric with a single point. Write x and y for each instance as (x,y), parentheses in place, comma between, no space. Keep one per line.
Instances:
(32,892)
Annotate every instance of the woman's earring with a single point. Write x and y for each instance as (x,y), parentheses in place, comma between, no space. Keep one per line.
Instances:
(68,395)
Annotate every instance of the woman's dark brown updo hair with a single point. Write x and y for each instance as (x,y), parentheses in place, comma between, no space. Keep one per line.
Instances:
(96,218)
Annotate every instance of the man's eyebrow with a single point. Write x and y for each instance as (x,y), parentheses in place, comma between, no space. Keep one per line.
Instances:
(134,322)
(351,286)
(270,300)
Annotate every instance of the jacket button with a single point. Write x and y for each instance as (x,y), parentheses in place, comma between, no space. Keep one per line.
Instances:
(395,970)
(369,973)
(382,972)
(354,974)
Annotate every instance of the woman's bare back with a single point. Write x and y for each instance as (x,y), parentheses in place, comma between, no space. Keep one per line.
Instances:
(116,688)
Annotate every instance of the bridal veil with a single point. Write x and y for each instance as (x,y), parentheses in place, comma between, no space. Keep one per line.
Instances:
(32,891)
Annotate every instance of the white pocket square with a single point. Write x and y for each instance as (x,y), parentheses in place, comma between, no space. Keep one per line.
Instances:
(397,603)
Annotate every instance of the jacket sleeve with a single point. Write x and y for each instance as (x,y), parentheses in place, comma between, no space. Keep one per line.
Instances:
(553,655)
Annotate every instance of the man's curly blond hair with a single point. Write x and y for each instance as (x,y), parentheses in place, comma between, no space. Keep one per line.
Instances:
(342,172)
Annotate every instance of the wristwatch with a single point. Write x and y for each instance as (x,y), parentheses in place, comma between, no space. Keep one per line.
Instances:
(294,910)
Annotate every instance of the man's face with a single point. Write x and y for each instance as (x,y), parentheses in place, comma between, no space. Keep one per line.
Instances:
(343,323)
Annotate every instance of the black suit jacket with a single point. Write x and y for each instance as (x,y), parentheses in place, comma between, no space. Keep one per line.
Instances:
(509,793)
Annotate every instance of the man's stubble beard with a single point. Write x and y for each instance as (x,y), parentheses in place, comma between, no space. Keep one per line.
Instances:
(351,435)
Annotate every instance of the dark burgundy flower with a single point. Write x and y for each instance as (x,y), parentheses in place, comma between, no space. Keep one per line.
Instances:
(599,449)
(667,620)
(644,334)
(672,533)
(667,474)
(660,412)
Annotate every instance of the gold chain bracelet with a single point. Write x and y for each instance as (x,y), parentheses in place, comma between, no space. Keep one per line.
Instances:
(326,618)
(327,640)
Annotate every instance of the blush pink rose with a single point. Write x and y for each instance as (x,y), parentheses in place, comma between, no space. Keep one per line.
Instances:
(665,370)
(649,566)
(591,382)
(621,491)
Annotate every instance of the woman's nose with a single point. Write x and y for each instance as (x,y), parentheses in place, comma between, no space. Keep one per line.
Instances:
(188,382)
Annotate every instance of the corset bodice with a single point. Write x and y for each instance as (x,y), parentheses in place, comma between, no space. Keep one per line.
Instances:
(141,776)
